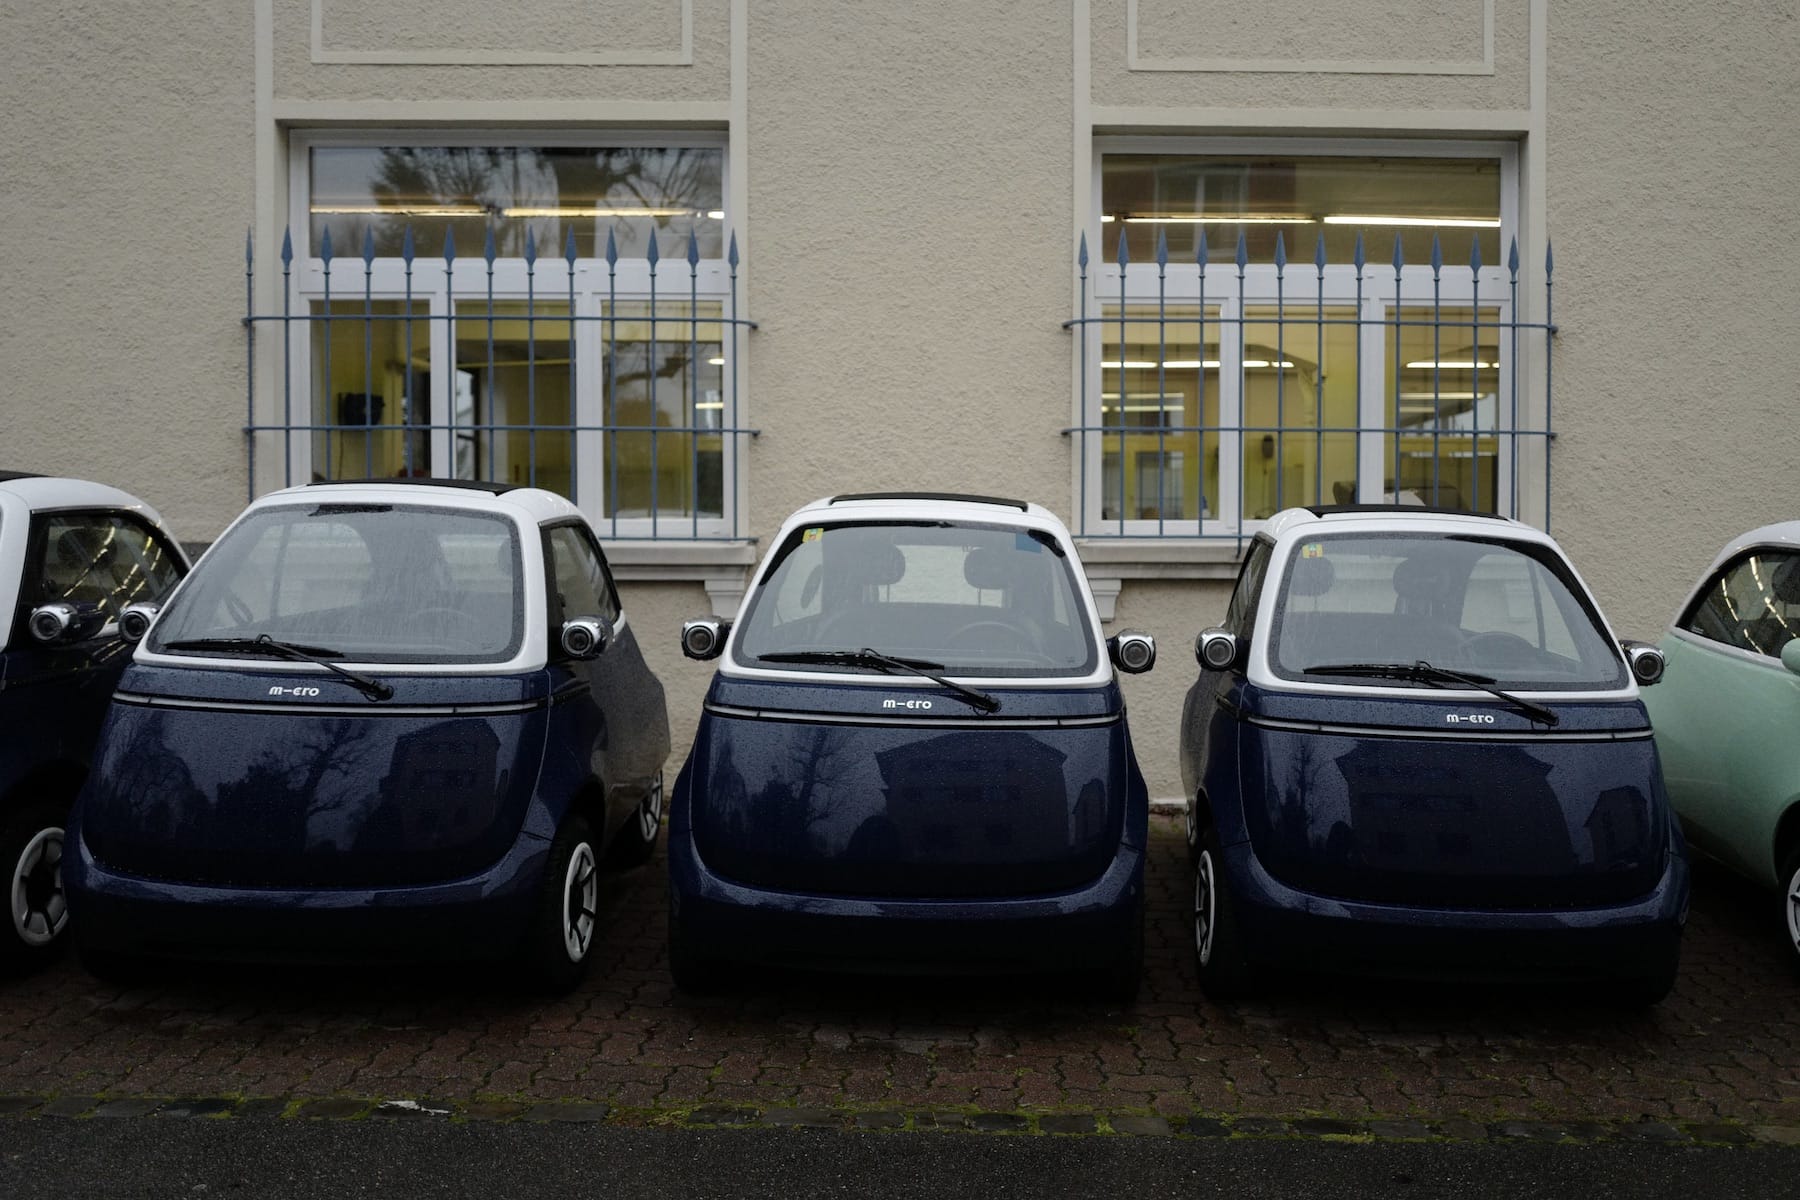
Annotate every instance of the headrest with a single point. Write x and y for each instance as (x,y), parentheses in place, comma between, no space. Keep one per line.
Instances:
(1311,577)
(1784,583)
(993,569)
(879,565)
(1422,579)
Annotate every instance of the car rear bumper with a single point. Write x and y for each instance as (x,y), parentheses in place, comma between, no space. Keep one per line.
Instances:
(478,916)
(1085,927)
(1285,927)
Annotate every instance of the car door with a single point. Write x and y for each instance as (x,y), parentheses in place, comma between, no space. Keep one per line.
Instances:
(1207,720)
(624,699)
(1726,708)
(57,694)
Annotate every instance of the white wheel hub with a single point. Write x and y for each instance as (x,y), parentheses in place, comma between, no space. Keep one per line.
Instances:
(1793,910)
(1205,907)
(581,895)
(39,908)
(650,811)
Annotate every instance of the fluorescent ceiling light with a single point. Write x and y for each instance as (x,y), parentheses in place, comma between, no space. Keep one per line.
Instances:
(1452,222)
(1189,364)
(560,211)
(389,210)
(715,362)
(1444,364)
(1437,396)
(704,404)
(1140,408)
(1237,219)
(715,214)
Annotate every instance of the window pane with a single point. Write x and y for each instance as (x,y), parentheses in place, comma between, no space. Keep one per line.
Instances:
(1754,606)
(1446,405)
(663,387)
(511,403)
(980,599)
(104,560)
(1152,461)
(580,579)
(371,372)
(377,583)
(1300,198)
(1300,368)
(634,192)
(1502,610)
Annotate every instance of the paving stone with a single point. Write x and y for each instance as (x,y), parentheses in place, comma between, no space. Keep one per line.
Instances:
(1733,1134)
(714,1114)
(332,1108)
(1781,1135)
(492,1110)
(14,1106)
(1141,1126)
(1207,1127)
(69,1106)
(1259,1126)
(197,1106)
(127,1108)
(1648,1131)
(1398,1129)
(262,1108)
(807,1118)
(403,1109)
(940,1120)
(567,1111)
(1326,1127)
(1067,1123)
(1531,1131)
(1458,1130)
(999,1122)
(880,1120)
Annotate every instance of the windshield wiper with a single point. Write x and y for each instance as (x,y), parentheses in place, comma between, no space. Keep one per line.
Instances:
(262,643)
(876,660)
(1423,672)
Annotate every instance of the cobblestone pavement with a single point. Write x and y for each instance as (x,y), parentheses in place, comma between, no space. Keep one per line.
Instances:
(1319,1056)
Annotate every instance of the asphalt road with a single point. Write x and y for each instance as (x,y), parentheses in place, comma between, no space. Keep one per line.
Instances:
(45,1159)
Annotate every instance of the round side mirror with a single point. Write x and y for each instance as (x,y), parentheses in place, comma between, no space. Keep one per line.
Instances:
(61,623)
(1216,649)
(703,639)
(583,637)
(1133,652)
(1790,655)
(1645,660)
(135,621)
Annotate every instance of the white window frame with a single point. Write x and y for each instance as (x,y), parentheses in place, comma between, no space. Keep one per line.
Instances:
(468,281)
(1457,288)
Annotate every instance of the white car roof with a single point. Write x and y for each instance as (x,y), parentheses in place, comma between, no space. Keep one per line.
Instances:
(1395,518)
(1784,535)
(531,504)
(43,492)
(926,506)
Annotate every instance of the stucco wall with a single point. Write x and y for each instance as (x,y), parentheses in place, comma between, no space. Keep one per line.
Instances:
(908,182)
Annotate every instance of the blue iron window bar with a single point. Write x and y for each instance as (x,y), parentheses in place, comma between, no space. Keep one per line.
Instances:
(613,380)
(1209,405)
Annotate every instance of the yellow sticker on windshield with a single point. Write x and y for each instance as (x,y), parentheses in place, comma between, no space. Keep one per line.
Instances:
(1312,550)
(813,534)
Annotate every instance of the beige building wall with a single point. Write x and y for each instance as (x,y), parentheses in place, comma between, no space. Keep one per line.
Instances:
(908,182)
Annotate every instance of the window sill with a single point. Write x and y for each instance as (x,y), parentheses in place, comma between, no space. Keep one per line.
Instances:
(723,568)
(1111,561)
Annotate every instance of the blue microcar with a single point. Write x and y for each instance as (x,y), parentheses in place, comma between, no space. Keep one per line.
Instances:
(402,720)
(913,756)
(74,557)
(1415,748)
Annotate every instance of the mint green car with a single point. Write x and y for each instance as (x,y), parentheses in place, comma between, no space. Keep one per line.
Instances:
(1727,715)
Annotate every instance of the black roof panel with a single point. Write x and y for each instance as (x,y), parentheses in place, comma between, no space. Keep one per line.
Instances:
(1326,510)
(473,485)
(962,497)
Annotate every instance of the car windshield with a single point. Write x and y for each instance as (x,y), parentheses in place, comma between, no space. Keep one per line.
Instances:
(366,582)
(971,599)
(1509,612)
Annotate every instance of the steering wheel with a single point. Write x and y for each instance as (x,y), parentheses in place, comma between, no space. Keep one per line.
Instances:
(1011,638)
(1506,649)
(234,604)
(435,614)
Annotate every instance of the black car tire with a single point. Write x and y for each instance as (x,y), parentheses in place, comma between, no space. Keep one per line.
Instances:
(1226,975)
(694,973)
(1790,905)
(31,845)
(1192,824)
(117,967)
(637,840)
(1120,980)
(560,942)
